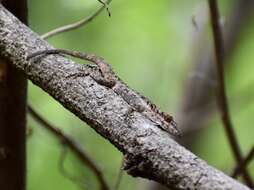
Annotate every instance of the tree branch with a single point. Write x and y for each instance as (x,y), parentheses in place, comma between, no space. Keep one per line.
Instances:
(77,24)
(149,151)
(73,145)
(221,93)
(119,176)
(239,169)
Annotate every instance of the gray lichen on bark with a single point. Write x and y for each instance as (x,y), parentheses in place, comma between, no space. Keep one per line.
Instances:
(149,151)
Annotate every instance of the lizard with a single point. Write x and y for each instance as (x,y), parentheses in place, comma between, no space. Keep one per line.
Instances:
(109,79)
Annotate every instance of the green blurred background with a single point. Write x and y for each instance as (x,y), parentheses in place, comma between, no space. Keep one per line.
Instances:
(149,44)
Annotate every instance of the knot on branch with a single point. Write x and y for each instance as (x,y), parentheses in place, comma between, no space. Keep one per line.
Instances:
(136,165)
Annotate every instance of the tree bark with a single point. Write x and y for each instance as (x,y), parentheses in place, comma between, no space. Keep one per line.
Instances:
(149,152)
(13,89)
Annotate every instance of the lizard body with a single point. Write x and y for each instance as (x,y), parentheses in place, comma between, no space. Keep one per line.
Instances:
(109,79)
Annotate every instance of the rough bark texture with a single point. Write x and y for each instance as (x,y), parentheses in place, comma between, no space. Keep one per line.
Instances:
(13,88)
(149,151)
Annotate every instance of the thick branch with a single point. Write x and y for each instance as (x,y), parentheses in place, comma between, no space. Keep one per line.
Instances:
(149,151)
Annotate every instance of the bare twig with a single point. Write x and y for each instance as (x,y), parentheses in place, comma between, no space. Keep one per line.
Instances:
(77,24)
(74,146)
(66,174)
(106,5)
(221,94)
(239,169)
(119,176)
(242,100)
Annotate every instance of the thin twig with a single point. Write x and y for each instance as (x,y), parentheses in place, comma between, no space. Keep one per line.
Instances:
(235,97)
(119,176)
(239,169)
(75,25)
(106,5)
(66,174)
(221,94)
(74,146)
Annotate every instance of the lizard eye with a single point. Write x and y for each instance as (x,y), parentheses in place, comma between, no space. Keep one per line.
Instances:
(153,106)
(167,117)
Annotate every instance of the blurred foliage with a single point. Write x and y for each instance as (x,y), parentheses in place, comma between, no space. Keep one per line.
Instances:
(149,44)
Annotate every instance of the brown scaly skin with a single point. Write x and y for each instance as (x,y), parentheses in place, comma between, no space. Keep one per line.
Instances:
(109,79)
